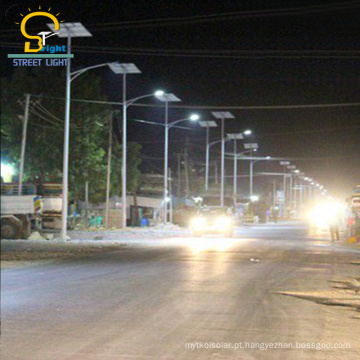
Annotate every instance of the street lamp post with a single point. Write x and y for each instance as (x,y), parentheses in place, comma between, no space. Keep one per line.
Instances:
(166,98)
(284,164)
(208,147)
(168,126)
(207,125)
(67,30)
(125,69)
(251,147)
(222,115)
(291,186)
(235,137)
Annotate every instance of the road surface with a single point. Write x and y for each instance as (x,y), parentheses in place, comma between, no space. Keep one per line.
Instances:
(157,299)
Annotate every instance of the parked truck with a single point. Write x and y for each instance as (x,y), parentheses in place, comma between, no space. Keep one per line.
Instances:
(36,208)
(19,215)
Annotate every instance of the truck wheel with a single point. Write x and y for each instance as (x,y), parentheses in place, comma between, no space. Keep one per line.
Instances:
(10,229)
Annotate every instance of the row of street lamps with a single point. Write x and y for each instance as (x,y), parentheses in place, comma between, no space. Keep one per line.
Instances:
(70,30)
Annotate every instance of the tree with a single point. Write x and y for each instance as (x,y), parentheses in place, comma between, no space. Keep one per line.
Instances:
(44,150)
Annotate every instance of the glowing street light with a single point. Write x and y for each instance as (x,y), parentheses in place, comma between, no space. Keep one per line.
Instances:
(7,171)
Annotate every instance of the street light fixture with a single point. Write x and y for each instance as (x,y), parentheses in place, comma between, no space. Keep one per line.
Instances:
(247,132)
(194,117)
(7,171)
(222,115)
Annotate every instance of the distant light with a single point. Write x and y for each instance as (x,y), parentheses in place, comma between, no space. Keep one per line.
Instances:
(7,171)
(254,198)
(194,117)
(247,132)
(296,171)
(159,93)
(268,157)
(167,199)
(255,150)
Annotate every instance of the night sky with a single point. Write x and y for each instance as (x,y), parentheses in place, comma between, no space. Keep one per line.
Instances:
(218,55)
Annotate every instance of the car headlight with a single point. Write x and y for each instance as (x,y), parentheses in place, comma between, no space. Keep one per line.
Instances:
(223,223)
(198,223)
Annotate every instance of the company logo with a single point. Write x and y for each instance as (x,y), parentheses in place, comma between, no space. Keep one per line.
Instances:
(43,34)
(42,50)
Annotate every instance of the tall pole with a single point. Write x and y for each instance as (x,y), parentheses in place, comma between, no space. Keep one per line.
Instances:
(64,212)
(186,161)
(222,162)
(274,193)
(108,175)
(170,196)
(301,196)
(295,196)
(235,170)
(166,159)
(207,160)
(290,192)
(86,204)
(251,174)
(124,148)
(23,142)
(216,172)
(284,193)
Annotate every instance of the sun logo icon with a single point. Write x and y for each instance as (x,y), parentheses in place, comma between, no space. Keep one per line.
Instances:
(41,40)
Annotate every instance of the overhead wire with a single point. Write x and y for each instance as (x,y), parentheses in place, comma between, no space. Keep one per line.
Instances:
(226,16)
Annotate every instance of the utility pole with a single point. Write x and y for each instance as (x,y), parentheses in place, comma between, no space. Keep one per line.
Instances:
(108,173)
(23,142)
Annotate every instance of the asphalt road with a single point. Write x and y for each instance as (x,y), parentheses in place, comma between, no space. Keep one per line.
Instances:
(150,299)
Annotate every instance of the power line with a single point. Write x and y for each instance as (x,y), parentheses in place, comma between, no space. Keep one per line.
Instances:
(220,54)
(246,107)
(223,16)
(186,20)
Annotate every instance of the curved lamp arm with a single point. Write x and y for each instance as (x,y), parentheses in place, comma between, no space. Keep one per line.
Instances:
(77,73)
(131,101)
(176,122)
